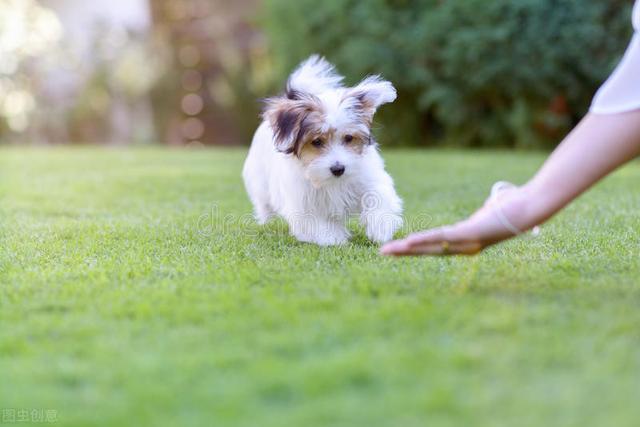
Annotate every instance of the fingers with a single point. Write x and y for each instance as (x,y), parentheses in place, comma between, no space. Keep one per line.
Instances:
(396,248)
(438,241)
(413,241)
(402,248)
(436,235)
(427,242)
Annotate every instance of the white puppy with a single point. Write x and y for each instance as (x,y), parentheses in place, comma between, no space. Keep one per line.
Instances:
(314,162)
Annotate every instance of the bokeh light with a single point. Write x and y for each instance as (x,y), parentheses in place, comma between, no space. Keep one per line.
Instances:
(192,104)
(192,128)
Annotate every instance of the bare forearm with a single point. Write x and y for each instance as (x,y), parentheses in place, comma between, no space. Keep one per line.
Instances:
(597,146)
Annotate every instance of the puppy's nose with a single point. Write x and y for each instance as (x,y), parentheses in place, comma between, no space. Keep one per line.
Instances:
(337,169)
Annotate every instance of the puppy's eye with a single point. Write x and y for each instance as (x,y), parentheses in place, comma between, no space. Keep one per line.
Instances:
(318,142)
(348,138)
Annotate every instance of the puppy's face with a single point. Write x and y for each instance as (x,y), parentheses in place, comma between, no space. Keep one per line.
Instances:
(329,133)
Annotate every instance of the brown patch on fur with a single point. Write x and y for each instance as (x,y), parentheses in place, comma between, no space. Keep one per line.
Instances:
(308,152)
(363,108)
(292,119)
(359,142)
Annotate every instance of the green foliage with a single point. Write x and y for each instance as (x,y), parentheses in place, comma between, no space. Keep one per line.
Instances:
(119,306)
(468,72)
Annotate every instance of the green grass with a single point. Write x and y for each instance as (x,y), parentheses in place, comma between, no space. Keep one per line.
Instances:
(134,291)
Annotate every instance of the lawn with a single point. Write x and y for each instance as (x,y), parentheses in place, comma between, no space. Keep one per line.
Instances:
(135,290)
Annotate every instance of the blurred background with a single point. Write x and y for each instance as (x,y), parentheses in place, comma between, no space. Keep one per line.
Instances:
(471,73)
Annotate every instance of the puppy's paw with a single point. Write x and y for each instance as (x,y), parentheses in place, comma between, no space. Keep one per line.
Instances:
(262,220)
(331,237)
(262,215)
(381,228)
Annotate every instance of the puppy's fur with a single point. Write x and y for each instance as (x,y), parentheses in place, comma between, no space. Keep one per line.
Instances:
(314,162)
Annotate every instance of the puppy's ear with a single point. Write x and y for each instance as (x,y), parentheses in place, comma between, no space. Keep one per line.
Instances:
(287,119)
(371,93)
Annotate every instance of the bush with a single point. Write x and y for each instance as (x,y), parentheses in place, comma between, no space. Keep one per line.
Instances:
(468,72)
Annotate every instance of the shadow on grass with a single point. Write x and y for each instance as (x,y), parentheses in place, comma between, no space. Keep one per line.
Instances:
(277,230)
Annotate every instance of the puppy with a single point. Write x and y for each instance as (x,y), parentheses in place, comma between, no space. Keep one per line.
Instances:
(314,162)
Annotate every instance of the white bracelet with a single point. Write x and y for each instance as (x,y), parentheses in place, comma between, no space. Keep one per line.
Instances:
(497,208)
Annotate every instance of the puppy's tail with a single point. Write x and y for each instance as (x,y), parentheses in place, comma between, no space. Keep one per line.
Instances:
(314,76)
